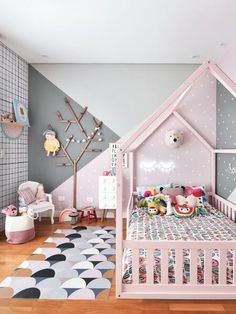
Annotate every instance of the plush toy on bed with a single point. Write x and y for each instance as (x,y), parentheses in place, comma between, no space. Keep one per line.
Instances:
(142,203)
(161,203)
(152,206)
(200,208)
(185,206)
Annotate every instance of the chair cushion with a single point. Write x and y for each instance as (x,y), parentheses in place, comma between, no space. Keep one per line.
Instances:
(27,195)
(42,206)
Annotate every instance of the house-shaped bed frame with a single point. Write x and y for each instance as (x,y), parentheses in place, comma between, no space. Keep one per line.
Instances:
(178,290)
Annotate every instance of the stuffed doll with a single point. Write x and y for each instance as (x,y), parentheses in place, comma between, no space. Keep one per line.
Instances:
(40,195)
(10,210)
(51,144)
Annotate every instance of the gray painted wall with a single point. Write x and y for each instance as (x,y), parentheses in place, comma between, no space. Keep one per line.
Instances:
(122,95)
(45,99)
(226,138)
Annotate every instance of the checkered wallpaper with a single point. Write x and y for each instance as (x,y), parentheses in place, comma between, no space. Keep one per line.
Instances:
(13,152)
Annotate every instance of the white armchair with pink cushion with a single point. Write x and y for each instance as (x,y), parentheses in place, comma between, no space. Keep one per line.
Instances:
(30,188)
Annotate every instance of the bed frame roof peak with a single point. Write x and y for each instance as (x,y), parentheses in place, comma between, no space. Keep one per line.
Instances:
(152,123)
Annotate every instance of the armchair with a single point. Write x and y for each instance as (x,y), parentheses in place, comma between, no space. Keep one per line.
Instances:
(42,206)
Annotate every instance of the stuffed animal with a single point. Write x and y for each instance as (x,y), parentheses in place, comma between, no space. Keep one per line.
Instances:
(169,209)
(23,211)
(162,203)
(10,210)
(7,117)
(152,211)
(142,203)
(152,206)
(190,201)
(51,145)
(174,138)
(185,206)
(40,195)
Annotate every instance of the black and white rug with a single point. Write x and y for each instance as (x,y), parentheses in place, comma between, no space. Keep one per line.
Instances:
(77,263)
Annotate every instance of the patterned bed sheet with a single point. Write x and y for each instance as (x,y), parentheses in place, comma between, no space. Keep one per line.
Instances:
(212,227)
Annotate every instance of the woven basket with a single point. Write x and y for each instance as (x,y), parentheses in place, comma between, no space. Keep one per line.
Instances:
(19,229)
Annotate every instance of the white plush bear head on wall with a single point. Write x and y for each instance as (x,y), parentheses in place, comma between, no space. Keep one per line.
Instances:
(174,138)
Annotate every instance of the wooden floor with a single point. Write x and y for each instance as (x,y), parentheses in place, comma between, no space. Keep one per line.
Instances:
(12,255)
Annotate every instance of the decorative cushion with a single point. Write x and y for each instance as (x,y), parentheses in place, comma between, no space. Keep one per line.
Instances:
(40,206)
(150,190)
(28,195)
(195,190)
(182,211)
(173,191)
(201,211)
(201,208)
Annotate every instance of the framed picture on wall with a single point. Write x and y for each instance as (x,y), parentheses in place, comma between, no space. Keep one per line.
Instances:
(21,113)
(114,151)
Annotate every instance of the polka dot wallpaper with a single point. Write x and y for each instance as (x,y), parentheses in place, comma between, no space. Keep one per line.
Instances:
(226,138)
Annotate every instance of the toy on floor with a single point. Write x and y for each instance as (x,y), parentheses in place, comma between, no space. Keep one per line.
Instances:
(74,218)
(40,195)
(51,145)
(10,210)
(65,214)
(90,215)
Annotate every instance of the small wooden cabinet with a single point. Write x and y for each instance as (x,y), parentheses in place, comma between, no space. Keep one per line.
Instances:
(107,194)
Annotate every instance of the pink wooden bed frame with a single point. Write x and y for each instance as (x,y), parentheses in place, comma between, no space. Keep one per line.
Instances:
(164,289)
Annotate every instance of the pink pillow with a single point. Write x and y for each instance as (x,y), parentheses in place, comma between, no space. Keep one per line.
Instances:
(195,190)
(27,195)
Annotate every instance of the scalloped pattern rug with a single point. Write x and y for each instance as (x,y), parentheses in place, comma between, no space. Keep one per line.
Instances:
(75,263)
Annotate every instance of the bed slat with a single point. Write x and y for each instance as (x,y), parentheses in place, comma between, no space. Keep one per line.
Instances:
(135,266)
(234,267)
(193,266)
(222,266)
(164,266)
(149,266)
(178,266)
(208,267)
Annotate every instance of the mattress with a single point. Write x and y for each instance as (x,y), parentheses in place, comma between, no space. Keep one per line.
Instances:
(213,227)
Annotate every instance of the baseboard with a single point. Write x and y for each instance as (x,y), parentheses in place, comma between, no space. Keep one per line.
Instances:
(110,214)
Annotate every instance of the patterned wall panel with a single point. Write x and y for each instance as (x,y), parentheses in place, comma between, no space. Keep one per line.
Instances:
(14,152)
(226,138)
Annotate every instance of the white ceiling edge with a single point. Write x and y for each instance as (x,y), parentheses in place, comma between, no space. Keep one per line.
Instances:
(118,31)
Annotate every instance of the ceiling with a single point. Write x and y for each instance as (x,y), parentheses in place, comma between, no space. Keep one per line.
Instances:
(118,31)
